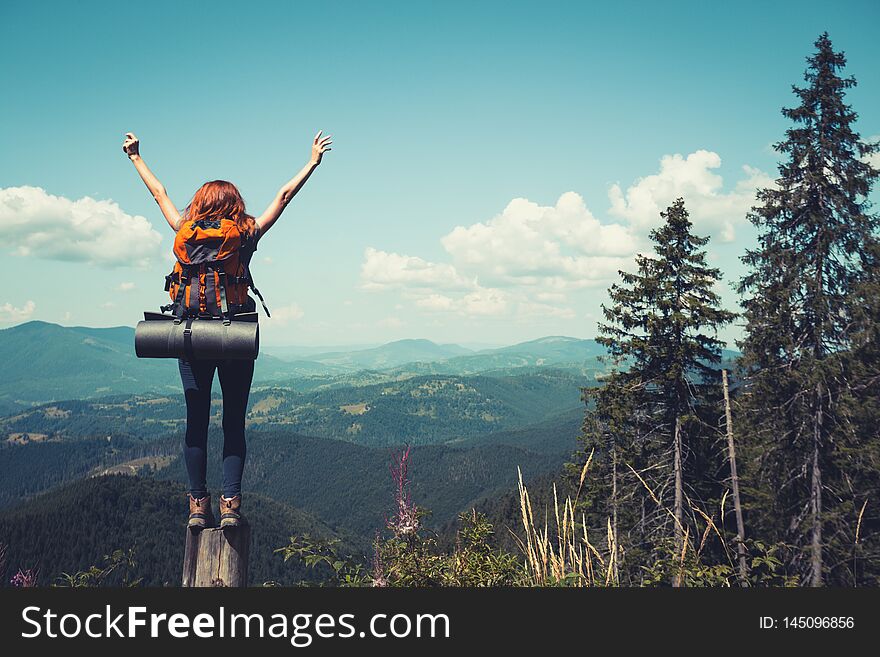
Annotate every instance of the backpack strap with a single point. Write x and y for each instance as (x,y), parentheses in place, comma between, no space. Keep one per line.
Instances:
(224,307)
(256,291)
(193,307)
(187,338)
(183,279)
(248,280)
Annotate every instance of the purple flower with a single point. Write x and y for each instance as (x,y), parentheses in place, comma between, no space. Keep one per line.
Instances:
(25,578)
(406,521)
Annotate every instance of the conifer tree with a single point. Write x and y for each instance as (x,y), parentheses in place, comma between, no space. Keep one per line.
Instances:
(862,412)
(656,413)
(815,241)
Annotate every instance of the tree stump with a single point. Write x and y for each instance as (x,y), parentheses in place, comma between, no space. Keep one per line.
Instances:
(217,557)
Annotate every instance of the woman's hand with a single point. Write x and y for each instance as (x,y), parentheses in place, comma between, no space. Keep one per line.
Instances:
(131,144)
(320,145)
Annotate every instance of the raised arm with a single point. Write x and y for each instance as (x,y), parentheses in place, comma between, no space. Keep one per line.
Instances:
(131,146)
(320,145)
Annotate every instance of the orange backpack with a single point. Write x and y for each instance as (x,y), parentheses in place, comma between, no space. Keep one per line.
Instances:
(210,272)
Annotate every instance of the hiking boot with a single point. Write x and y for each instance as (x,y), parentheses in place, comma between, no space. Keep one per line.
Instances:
(200,516)
(230,511)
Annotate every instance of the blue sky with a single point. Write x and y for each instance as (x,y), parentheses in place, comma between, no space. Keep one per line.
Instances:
(493,165)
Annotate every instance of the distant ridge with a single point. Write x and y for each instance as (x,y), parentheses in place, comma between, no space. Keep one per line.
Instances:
(43,361)
(391,354)
(46,362)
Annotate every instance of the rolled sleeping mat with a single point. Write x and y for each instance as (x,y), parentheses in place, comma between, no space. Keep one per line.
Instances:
(203,338)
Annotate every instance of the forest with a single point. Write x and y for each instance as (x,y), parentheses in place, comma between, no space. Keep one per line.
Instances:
(697,482)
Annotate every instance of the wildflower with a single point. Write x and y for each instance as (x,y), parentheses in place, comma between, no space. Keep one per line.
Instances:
(406,521)
(25,578)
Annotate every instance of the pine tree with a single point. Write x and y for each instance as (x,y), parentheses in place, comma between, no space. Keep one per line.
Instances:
(655,414)
(861,410)
(815,240)
(613,497)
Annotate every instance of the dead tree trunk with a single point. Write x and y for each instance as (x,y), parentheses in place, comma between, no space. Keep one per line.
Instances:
(816,496)
(734,483)
(616,573)
(217,557)
(679,500)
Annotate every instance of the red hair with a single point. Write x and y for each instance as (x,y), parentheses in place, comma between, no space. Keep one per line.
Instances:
(219,199)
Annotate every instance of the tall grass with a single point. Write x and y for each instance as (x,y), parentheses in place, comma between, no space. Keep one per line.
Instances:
(564,555)
(558,550)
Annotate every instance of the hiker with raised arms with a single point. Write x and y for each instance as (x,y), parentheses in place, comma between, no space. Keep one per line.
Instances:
(206,283)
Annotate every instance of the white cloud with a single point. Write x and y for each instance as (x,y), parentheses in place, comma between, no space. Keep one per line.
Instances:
(712,210)
(435,302)
(549,246)
(283,315)
(125,287)
(390,322)
(529,240)
(9,313)
(557,297)
(382,270)
(524,262)
(524,251)
(487,302)
(418,279)
(530,309)
(484,301)
(36,224)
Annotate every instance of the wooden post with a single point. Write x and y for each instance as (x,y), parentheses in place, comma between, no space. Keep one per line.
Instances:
(217,557)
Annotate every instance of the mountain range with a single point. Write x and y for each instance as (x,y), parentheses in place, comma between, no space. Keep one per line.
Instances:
(47,362)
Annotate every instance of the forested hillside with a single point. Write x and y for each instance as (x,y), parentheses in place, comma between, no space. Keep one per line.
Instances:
(420,410)
(416,410)
(348,485)
(71,528)
(284,465)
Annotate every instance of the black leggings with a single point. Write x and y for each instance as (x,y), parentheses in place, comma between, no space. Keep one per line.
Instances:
(235,381)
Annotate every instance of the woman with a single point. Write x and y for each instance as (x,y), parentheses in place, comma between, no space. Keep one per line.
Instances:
(214,200)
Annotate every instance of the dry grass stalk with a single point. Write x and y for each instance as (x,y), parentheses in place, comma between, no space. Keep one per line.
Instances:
(568,558)
(684,546)
(859,523)
(584,474)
